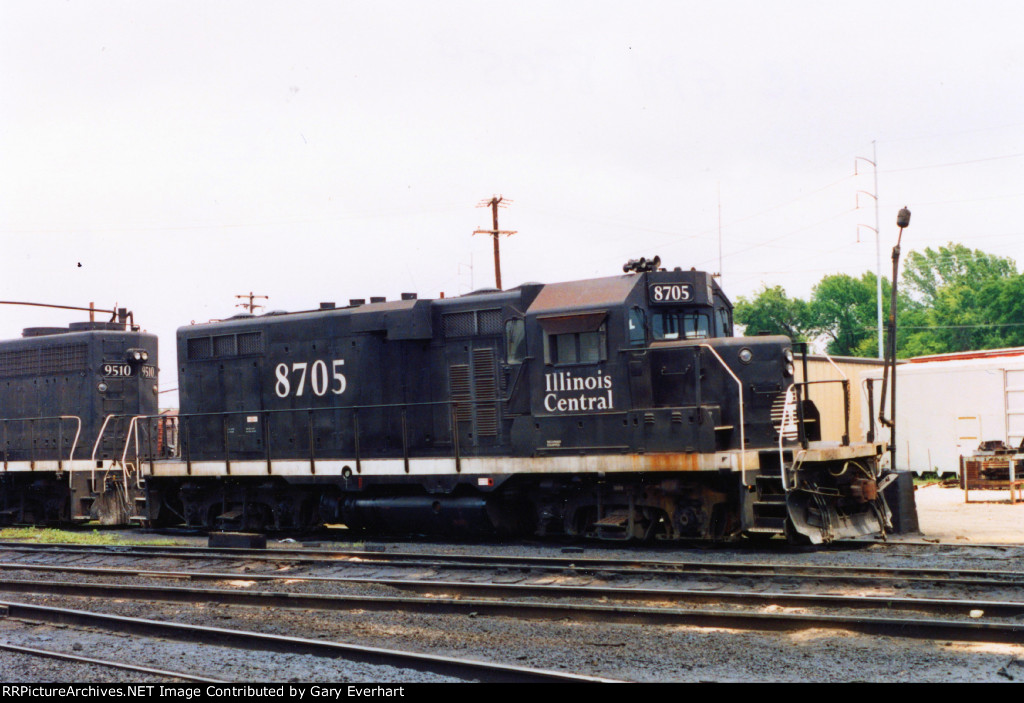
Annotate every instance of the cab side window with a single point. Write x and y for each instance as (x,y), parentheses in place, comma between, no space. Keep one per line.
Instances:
(577,347)
(636,327)
(515,341)
(723,327)
(580,338)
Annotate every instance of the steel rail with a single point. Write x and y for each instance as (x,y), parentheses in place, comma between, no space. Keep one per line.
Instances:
(467,669)
(915,628)
(497,592)
(953,576)
(107,663)
(228,575)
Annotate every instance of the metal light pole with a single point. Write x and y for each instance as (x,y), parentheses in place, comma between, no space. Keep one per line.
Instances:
(878,244)
(902,221)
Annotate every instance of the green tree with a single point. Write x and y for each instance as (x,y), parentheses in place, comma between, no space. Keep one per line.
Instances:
(927,273)
(771,311)
(961,299)
(1004,308)
(844,309)
(950,299)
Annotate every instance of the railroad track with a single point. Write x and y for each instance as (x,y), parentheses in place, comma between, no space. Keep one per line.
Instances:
(107,663)
(590,603)
(340,560)
(465,669)
(447,598)
(243,585)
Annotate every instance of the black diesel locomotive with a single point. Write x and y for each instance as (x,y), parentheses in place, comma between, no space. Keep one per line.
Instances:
(619,407)
(67,396)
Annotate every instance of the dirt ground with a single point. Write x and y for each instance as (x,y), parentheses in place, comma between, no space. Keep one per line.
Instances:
(989,518)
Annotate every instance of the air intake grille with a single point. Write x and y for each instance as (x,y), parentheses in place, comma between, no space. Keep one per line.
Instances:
(224,345)
(486,391)
(250,343)
(459,324)
(474,388)
(64,358)
(461,395)
(489,321)
(200,348)
(472,323)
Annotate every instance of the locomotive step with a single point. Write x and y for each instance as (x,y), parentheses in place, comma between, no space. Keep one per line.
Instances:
(766,530)
(775,525)
(616,518)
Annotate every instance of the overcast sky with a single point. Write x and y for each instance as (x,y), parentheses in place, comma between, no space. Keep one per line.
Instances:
(167,156)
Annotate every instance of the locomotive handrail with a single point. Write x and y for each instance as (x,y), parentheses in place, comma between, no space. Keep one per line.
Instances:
(133,432)
(846,399)
(99,436)
(803,385)
(74,443)
(96,446)
(846,403)
(183,421)
(743,436)
(786,405)
(867,389)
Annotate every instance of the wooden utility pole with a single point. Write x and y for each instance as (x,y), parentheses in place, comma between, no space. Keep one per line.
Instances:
(251,305)
(494,203)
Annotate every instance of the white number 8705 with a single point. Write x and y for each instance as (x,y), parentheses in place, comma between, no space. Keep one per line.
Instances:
(319,382)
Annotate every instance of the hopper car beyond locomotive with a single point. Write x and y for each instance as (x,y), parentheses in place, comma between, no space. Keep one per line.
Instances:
(618,408)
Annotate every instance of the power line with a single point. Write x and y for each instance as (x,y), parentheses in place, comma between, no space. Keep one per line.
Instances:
(954,163)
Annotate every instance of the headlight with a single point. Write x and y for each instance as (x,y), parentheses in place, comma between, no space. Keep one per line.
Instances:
(788,355)
(138,355)
(789,368)
(746,356)
(102,388)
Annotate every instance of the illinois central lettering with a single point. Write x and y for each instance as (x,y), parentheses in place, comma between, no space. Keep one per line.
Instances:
(565,392)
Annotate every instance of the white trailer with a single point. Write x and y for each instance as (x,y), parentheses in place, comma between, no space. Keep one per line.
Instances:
(947,404)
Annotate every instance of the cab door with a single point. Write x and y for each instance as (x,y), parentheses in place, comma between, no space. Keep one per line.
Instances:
(637,359)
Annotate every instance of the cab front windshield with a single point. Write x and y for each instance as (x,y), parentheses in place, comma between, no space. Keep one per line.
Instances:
(669,325)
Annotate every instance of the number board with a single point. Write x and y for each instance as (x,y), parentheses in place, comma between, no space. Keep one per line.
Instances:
(121,370)
(670,293)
